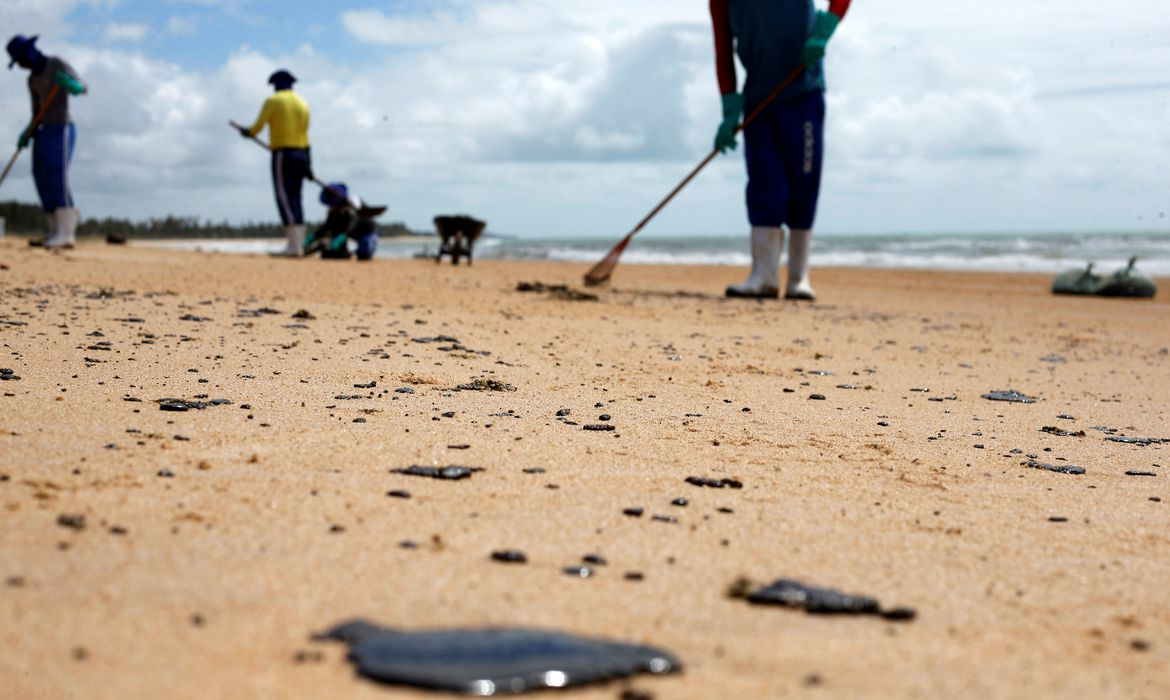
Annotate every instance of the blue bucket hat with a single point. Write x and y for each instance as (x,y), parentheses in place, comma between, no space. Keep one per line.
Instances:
(282,79)
(21,48)
(334,194)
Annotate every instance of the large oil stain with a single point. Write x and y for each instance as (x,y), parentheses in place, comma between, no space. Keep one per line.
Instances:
(493,661)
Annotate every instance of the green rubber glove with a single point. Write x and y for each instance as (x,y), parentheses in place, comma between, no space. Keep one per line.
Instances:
(71,84)
(732,110)
(314,242)
(823,28)
(22,142)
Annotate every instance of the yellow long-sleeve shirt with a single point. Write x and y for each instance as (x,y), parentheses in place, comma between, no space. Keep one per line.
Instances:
(287,116)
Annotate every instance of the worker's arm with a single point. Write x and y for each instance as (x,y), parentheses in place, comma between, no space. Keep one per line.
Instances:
(731,98)
(823,28)
(258,126)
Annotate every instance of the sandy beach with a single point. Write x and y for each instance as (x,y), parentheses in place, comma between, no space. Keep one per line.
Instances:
(192,554)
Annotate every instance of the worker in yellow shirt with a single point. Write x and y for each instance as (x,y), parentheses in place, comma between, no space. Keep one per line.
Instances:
(287,116)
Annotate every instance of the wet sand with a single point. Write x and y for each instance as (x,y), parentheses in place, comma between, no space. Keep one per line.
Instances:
(151,553)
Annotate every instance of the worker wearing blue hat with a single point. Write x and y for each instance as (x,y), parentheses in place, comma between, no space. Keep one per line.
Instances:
(287,116)
(51,82)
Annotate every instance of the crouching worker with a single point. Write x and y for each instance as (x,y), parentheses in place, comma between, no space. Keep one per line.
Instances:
(343,222)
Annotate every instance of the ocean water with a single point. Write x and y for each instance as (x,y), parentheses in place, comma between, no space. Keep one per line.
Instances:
(1032,252)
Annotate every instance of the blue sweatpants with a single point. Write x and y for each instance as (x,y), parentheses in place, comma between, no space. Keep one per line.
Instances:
(290,168)
(52,151)
(784,150)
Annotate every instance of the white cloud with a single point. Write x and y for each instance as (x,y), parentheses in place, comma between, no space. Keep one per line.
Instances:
(375,27)
(125,32)
(182,25)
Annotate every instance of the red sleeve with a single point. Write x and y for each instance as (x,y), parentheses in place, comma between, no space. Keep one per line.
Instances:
(724,49)
(839,7)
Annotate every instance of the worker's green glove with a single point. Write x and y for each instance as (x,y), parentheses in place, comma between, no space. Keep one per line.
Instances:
(22,142)
(823,28)
(732,110)
(315,241)
(71,84)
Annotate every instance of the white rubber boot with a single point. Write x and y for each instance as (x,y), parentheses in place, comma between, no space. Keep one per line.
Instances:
(64,234)
(763,282)
(296,242)
(799,246)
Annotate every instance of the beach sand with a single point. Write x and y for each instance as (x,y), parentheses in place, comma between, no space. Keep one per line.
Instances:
(275,522)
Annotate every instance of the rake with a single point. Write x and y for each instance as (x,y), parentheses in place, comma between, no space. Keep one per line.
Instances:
(601,272)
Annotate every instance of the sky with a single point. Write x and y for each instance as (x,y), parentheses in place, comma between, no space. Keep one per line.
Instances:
(575,117)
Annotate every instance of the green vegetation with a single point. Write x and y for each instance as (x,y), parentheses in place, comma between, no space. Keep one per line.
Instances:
(28,219)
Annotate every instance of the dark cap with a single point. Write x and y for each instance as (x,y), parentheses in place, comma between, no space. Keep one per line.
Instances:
(282,78)
(19,48)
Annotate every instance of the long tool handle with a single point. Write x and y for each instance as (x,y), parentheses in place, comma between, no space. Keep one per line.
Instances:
(601,272)
(365,211)
(265,146)
(32,125)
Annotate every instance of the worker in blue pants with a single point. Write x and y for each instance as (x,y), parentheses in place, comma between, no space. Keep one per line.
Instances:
(53,139)
(783,145)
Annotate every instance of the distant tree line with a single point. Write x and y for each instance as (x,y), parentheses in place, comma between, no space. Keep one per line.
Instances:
(22,218)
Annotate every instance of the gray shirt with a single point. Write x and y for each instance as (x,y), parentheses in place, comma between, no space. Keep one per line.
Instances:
(40,84)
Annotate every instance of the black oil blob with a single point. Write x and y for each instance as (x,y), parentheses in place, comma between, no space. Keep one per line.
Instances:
(485,385)
(1137,441)
(183,405)
(824,601)
(493,661)
(72,521)
(602,427)
(510,556)
(1010,395)
(447,473)
(1053,430)
(714,483)
(180,405)
(1058,468)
